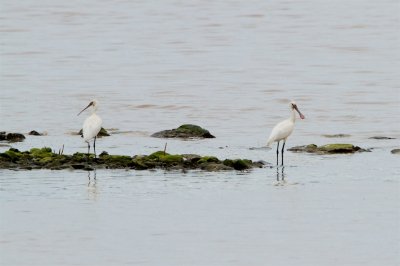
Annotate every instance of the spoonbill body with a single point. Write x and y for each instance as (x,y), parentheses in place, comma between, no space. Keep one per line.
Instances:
(91,126)
(283,129)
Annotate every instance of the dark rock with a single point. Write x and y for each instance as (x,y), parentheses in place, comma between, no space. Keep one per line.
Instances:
(34,133)
(184,131)
(12,137)
(239,164)
(213,167)
(78,166)
(328,149)
(395,151)
(102,133)
(381,137)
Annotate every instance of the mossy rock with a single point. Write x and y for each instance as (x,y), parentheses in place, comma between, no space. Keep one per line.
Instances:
(208,159)
(184,131)
(336,148)
(12,155)
(102,133)
(239,164)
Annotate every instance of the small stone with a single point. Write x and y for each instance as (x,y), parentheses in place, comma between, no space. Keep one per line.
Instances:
(395,151)
(34,133)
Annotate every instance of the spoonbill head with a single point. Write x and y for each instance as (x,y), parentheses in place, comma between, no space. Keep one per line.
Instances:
(284,129)
(92,125)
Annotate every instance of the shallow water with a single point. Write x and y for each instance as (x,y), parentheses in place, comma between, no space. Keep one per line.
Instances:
(230,67)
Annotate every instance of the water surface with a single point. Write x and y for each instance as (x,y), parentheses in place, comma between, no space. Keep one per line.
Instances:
(231,67)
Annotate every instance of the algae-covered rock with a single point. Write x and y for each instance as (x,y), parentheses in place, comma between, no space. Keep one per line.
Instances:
(11,137)
(336,148)
(102,133)
(395,151)
(184,131)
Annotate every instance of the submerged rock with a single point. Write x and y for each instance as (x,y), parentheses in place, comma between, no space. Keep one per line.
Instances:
(328,149)
(12,137)
(395,151)
(45,158)
(184,131)
(336,135)
(381,137)
(102,133)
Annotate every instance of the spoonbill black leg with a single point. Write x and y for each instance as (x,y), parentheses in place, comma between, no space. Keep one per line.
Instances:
(283,149)
(94,147)
(277,153)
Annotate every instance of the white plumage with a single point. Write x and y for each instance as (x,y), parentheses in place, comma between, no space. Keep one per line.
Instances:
(283,130)
(92,125)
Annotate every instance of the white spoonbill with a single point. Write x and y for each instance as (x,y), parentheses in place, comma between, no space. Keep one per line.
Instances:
(283,130)
(91,126)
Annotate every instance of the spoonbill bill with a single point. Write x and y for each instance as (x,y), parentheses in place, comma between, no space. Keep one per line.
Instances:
(283,129)
(91,126)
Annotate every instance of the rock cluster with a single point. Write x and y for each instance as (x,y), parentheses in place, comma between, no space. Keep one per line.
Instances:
(45,158)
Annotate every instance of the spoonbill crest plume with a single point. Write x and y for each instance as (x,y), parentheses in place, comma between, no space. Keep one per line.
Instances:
(283,129)
(92,125)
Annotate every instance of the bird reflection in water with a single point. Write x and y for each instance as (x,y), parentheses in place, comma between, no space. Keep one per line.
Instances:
(92,185)
(280,176)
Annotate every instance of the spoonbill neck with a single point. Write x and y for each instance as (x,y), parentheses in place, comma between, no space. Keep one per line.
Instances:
(293,116)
